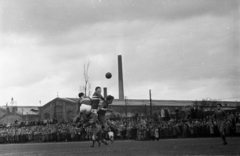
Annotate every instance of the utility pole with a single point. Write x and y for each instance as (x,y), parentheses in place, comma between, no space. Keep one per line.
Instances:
(126,106)
(150,96)
(145,110)
(22,114)
(55,113)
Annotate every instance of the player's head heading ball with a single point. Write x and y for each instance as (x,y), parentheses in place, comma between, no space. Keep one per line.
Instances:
(109,97)
(80,95)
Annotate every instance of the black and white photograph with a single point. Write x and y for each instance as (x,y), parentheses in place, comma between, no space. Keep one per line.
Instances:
(119,77)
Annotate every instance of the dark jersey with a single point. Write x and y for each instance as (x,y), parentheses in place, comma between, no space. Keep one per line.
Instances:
(102,111)
(220,115)
(96,100)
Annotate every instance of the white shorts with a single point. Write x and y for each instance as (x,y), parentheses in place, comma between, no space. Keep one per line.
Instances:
(85,108)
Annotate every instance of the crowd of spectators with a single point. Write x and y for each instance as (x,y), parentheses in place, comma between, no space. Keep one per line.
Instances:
(135,128)
(42,131)
(157,128)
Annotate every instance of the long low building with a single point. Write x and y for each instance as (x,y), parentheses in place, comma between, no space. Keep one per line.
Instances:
(66,108)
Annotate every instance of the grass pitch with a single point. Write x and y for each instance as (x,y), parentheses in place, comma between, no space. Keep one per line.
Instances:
(203,146)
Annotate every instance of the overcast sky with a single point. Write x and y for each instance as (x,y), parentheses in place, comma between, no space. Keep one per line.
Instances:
(181,50)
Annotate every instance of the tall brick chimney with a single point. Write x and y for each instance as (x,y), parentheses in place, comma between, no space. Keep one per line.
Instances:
(105,92)
(120,78)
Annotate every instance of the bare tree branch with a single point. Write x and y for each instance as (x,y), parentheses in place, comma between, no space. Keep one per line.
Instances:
(86,87)
(89,89)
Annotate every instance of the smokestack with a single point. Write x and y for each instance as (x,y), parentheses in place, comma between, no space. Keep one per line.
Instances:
(105,92)
(120,78)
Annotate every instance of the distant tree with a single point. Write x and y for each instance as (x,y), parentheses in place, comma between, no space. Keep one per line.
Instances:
(213,104)
(86,87)
(206,104)
(195,103)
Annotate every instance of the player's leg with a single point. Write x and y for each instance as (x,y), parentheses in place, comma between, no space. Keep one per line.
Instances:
(223,133)
(97,138)
(98,141)
(86,114)
(105,133)
(92,120)
(93,138)
(80,115)
(221,126)
(93,135)
(103,137)
(99,134)
(77,118)
(105,127)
